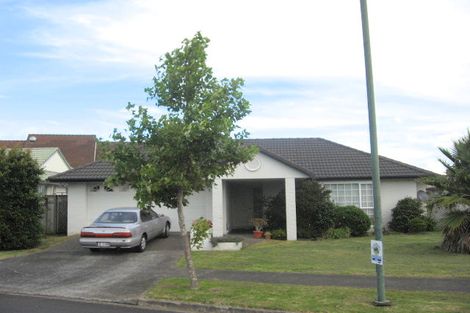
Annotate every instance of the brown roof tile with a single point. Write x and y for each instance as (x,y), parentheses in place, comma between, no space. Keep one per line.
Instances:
(78,150)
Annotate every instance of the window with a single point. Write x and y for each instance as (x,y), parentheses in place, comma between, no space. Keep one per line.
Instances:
(145,216)
(153,214)
(358,194)
(117,218)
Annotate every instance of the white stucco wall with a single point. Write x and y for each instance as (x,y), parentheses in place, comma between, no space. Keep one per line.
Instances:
(393,190)
(84,205)
(76,207)
(56,164)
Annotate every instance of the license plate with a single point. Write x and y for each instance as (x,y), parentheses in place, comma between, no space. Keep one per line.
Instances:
(103,244)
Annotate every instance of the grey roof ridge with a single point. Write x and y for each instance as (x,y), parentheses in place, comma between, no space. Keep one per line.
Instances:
(383,157)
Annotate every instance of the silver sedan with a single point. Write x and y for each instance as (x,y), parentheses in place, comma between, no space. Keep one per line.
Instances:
(124,228)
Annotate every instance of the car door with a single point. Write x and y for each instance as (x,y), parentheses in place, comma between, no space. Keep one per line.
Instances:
(146,221)
(157,222)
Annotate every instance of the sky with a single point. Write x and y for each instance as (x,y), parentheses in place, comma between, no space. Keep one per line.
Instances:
(71,67)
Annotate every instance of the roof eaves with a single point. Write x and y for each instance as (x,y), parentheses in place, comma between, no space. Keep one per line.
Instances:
(287,162)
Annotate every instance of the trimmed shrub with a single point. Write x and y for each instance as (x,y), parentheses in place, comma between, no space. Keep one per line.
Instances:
(418,225)
(315,211)
(352,217)
(279,234)
(20,208)
(338,233)
(405,210)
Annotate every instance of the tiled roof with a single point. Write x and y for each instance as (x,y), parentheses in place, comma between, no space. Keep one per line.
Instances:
(77,149)
(319,158)
(96,171)
(327,160)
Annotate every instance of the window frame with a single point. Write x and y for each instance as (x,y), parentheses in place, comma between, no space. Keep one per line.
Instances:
(365,209)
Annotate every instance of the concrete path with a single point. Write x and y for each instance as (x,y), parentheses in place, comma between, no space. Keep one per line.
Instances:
(68,270)
(417,284)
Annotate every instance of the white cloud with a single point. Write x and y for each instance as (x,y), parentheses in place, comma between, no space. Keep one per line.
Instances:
(421,59)
(419,47)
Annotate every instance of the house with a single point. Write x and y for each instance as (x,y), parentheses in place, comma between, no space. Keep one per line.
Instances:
(234,199)
(78,150)
(53,162)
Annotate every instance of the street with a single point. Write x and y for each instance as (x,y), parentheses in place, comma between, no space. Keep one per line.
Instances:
(31,304)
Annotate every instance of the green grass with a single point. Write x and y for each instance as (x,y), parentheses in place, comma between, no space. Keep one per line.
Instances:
(46,243)
(306,298)
(415,255)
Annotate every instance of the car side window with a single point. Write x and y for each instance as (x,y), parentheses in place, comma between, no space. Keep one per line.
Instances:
(154,215)
(145,216)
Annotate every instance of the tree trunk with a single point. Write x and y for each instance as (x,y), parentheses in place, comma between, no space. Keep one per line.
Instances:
(186,242)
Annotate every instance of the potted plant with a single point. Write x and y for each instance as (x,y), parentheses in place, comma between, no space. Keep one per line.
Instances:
(258,224)
(267,235)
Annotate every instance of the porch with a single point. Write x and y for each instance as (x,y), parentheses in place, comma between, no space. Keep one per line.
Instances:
(236,201)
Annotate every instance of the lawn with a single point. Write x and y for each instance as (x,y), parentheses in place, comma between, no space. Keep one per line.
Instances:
(405,255)
(306,298)
(46,243)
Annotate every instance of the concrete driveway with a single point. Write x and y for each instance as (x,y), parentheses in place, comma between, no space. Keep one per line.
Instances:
(68,270)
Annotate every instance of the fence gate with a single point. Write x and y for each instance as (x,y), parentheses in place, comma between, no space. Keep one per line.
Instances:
(55,215)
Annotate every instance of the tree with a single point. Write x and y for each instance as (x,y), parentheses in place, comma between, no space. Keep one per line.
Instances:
(454,195)
(20,210)
(166,159)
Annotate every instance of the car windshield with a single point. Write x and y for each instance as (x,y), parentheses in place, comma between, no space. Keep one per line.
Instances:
(117,217)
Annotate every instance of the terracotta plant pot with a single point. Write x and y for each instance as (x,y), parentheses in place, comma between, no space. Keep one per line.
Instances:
(257,234)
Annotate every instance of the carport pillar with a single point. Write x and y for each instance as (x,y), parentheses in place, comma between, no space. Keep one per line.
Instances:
(291,211)
(218,208)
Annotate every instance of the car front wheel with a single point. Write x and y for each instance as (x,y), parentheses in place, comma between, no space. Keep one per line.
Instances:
(142,245)
(166,231)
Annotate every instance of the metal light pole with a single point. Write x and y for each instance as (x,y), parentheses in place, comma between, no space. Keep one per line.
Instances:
(380,301)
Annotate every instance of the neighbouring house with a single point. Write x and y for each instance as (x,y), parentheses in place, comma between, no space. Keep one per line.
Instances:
(53,162)
(233,200)
(78,150)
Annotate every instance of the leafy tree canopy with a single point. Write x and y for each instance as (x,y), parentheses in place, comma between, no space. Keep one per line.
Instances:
(198,138)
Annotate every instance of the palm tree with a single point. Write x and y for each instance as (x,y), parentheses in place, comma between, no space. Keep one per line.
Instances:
(454,195)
